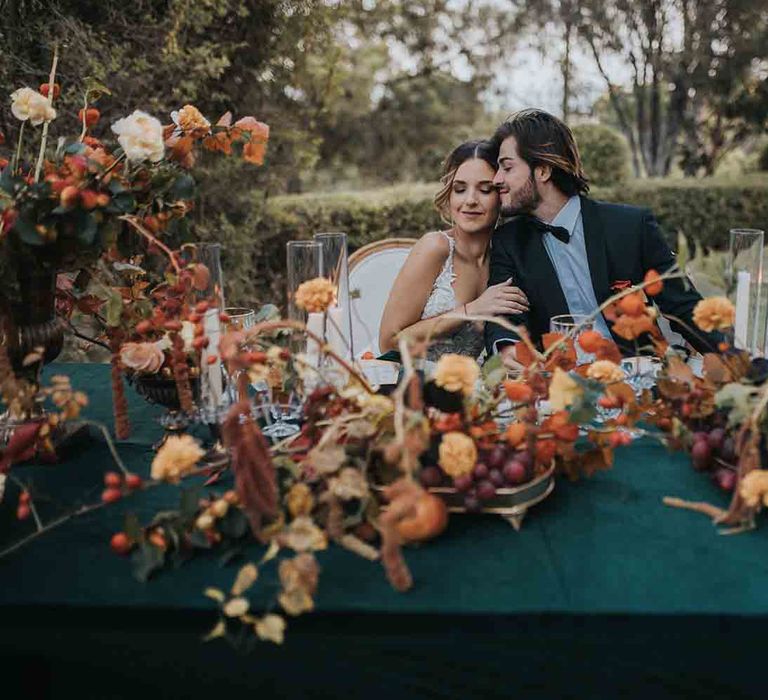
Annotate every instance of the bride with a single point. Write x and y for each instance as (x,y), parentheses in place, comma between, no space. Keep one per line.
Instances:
(446,272)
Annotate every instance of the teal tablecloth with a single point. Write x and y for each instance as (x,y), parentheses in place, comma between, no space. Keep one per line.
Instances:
(604,593)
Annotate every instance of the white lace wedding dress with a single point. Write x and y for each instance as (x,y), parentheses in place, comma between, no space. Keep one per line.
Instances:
(467,339)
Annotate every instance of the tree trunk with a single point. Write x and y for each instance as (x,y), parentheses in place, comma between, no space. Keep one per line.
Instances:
(566,70)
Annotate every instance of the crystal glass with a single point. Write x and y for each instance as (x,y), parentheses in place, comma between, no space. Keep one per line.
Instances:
(304,262)
(566,324)
(744,275)
(240,318)
(335,267)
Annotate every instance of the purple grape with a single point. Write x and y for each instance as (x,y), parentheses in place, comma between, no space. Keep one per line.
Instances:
(463,482)
(525,459)
(515,472)
(727,451)
(496,477)
(480,471)
(486,490)
(497,457)
(700,454)
(700,435)
(472,504)
(431,476)
(715,438)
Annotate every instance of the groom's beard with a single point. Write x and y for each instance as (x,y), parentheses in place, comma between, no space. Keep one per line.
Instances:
(524,201)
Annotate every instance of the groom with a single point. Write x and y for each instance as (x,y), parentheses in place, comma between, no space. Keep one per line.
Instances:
(567,252)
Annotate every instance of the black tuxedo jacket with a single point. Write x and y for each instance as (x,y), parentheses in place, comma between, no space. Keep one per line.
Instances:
(622,242)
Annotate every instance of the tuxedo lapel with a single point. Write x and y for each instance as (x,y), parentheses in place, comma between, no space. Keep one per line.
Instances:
(594,239)
(544,284)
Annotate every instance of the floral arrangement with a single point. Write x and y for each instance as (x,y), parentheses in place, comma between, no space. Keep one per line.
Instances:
(114,216)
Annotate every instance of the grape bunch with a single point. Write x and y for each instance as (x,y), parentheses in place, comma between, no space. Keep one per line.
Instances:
(711,448)
(497,468)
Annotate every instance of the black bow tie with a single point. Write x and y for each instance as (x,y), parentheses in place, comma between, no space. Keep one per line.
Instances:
(559,232)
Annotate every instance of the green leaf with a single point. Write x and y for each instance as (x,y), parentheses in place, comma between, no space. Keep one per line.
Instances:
(114,308)
(189,500)
(122,203)
(146,560)
(75,149)
(183,187)
(198,539)
(233,524)
(86,228)
(94,89)
(737,399)
(132,527)
(27,232)
(494,372)
(268,312)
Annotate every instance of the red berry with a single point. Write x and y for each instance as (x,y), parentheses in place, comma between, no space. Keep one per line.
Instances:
(726,479)
(111,495)
(515,472)
(143,327)
(24,497)
(133,481)
(45,87)
(23,511)
(200,343)
(112,480)
(91,116)
(172,325)
(201,307)
(224,318)
(212,359)
(120,543)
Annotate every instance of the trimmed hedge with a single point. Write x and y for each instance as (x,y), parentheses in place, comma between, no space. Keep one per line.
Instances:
(703,210)
(604,154)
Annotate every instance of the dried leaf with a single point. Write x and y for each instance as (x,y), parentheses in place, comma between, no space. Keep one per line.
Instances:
(327,460)
(716,370)
(246,577)
(215,594)
(679,370)
(236,607)
(218,631)
(271,553)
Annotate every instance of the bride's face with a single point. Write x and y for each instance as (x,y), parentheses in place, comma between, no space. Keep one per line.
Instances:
(474,200)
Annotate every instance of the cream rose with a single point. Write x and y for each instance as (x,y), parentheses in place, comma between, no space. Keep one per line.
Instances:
(142,357)
(28,104)
(141,136)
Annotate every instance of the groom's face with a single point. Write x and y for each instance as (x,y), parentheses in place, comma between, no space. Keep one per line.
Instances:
(515,181)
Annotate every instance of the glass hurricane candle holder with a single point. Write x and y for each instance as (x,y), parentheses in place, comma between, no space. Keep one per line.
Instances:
(744,275)
(335,267)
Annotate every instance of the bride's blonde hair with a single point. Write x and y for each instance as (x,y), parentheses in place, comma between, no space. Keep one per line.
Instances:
(485,150)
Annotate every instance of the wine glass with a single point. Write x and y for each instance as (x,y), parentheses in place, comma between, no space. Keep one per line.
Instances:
(566,325)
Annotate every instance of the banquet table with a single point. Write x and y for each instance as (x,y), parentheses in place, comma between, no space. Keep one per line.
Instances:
(604,592)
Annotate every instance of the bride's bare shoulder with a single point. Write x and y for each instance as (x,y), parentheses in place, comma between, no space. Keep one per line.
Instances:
(433,245)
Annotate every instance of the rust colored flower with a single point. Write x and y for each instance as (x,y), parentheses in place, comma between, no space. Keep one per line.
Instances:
(605,371)
(315,295)
(653,283)
(590,341)
(714,313)
(632,327)
(457,373)
(516,434)
(754,488)
(299,500)
(189,118)
(178,456)
(632,304)
(563,390)
(518,392)
(142,357)
(560,426)
(457,454)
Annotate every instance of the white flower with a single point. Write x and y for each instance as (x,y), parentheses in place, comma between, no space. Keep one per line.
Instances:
(141,136)
(28,104)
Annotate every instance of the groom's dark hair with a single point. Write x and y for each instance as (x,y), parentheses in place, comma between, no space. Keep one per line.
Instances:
(543,139)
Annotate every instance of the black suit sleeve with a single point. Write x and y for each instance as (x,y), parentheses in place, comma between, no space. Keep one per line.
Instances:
(678,298)
(502,268)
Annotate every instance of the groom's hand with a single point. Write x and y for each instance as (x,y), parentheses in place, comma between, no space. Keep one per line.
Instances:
(508,358)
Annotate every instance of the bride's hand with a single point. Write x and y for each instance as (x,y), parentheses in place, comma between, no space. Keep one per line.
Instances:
(499,300)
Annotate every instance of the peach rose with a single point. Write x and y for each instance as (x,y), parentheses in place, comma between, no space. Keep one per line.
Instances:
(315,295)
(142,357)
(457,373)
(457,454)
(141,136)
(605,371)
(28,104)
(714,313)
